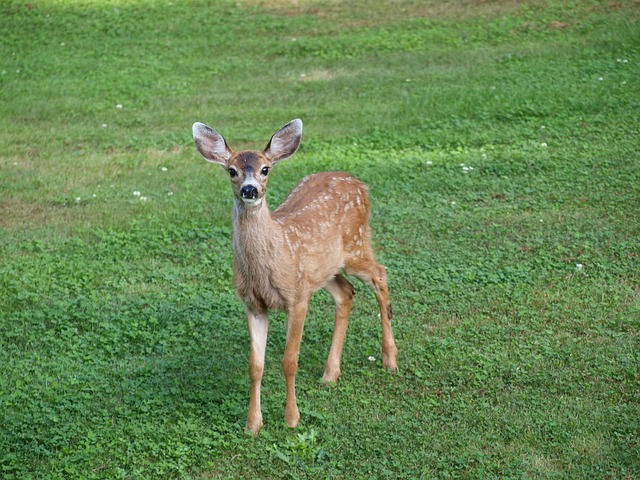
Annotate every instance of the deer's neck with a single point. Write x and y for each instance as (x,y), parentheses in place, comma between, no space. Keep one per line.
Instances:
(261,264)
(256,237)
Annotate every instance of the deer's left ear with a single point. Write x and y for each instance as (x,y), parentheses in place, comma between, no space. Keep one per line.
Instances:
(284,142)
(211,145)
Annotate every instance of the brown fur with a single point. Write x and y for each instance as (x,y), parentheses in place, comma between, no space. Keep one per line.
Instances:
(282,258)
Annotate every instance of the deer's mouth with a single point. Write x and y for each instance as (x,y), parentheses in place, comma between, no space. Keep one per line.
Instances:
(252,202)
(250,195)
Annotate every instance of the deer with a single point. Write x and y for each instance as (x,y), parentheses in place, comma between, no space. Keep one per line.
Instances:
(319,233)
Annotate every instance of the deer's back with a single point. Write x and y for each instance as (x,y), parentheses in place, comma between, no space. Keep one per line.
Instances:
(326,194)
(325,221)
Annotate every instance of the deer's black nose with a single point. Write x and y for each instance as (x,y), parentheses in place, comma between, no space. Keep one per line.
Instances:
(249,192)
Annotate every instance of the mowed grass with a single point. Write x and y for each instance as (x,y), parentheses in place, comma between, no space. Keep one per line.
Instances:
(501,144)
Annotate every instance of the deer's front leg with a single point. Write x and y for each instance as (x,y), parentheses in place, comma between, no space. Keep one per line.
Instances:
(258,324)
(295,326)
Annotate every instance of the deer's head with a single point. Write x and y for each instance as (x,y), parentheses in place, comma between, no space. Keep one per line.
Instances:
(248,169)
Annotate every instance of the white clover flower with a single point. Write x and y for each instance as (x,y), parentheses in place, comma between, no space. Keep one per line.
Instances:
(164,169)
(94,195)
(143,199)
(372,359)
(136,193)
(579,266)
(104,125)
(78,199)
(429,162)
(170,194)
(543,144)
(600,79)
(119,106)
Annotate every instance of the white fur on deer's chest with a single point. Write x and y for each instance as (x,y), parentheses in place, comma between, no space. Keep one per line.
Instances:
(259,270)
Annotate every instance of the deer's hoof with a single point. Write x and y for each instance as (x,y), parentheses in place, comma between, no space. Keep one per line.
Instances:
(292,417)
(331,376)
(390,361)
(253,427)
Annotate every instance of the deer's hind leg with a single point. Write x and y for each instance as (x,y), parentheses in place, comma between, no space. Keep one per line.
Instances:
(375,276)
(342,292)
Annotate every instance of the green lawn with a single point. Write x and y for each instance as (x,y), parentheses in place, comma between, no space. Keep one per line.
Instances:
(501,143)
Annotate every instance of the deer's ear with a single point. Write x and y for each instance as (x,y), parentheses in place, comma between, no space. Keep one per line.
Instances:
(284,142)
(210,144)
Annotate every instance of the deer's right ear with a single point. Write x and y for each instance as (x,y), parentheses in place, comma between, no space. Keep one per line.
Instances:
(284,142)
(210,144)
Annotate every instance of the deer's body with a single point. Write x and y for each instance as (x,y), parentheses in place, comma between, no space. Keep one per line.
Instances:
(281,258)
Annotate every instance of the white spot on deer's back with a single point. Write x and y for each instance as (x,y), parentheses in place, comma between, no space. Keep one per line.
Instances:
(287,240)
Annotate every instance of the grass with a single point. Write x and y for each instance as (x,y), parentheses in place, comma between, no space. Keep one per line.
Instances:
(500,143)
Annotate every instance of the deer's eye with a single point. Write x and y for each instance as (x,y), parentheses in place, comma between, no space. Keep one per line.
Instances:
(233,173)
(265,171)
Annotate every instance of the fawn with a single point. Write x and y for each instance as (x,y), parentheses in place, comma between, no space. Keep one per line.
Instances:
(281,258)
